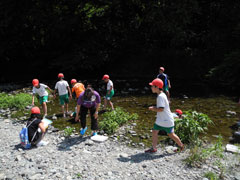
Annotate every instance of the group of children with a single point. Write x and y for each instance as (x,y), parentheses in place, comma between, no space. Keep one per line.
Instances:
(89,100)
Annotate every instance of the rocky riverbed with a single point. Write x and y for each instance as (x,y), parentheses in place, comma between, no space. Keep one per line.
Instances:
(78,157)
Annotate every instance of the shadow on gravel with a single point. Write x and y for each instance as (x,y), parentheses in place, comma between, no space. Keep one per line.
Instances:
(66,144)
(137,158)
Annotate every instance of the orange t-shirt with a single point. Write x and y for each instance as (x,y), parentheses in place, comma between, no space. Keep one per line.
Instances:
(78,88)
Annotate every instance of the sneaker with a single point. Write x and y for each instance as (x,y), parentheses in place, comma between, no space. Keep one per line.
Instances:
(151,150)
(42,143)
(82,131)
(94,133)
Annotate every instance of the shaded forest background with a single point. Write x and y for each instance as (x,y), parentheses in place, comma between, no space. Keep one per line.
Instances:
(197,41)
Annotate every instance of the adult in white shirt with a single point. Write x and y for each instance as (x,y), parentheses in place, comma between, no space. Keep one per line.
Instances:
(63,89)
(164,120)
(40,89)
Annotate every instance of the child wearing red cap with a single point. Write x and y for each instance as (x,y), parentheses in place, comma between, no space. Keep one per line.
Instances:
(164,120)
(63,89)
(110,91)
(40,89)
(36,128)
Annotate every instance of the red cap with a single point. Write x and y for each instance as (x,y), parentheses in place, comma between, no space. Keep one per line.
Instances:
(105,77)
(60,75)
(157,82)
(179,111)
(35,82)
(162,68)
(73,81)
(35,110)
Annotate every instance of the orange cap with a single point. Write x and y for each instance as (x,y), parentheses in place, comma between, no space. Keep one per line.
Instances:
(35,82)
(157,82)
(35,110)
(105,77)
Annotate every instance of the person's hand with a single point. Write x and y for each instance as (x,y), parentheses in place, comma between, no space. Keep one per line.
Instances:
(151,108)
(96,115)
(70,97)
(77,119)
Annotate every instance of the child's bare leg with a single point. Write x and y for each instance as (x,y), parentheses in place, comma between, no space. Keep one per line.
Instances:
(44,106)
(176,139)
(105,103)
(154,138)
(111,104)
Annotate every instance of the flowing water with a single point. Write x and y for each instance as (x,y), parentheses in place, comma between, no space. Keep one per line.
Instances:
(216,108)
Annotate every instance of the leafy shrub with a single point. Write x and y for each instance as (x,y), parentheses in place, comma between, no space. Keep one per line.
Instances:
(199,155)
(68,131)
(191,126)
(113,119)
(19,101)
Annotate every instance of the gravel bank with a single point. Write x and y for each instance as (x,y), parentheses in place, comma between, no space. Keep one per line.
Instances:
(80,158)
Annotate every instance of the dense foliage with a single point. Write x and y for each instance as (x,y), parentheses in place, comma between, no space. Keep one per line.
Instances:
(112,120)
(191,126)
(18,101)
(196,37)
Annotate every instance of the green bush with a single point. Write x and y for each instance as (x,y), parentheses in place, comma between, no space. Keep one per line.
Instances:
(113,119)
(19,101)
(191,126)
(68,131)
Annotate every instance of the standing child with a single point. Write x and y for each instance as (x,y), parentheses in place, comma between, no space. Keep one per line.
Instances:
(77,87)
(63,90)
(166,82)
(110,91)
(164,119)
(40,89)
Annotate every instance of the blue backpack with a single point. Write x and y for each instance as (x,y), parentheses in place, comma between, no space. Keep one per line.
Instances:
(24,137)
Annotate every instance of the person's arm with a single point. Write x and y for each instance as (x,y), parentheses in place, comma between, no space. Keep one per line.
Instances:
(50,90)
(169,85)
(42,127)
(77,113)
(70,93)
(33,99)
(97,109)
(155,109)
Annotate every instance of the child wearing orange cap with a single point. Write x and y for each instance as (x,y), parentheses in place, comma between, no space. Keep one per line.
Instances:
(40,89)
(110,91)
(164,120)
(63,89)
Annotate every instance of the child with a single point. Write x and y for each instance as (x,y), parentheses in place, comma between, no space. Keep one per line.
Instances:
(110,91)
(164,120)
(63,89)
(88,100)
(166,82)
(77,87)
(178,113)
(34,123)
(40,89)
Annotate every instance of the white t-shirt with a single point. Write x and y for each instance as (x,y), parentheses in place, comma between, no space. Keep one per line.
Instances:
(41,91)
(109,84)
(61,86)
(164,118)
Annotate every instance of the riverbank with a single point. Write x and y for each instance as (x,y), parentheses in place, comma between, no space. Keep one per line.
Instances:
(80,158)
